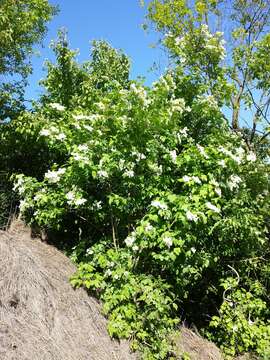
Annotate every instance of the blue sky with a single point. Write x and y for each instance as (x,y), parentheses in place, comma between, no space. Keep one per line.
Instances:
(118,22)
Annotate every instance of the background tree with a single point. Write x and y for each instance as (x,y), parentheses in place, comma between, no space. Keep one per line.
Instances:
(22,24)
(194,31)
(70,83)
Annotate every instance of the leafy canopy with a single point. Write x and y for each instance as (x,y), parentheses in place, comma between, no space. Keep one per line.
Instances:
(22,24)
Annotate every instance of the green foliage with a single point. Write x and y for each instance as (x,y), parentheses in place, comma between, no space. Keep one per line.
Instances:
(241,79)
(22,24)
(139,307)
(160,198)
(243,323)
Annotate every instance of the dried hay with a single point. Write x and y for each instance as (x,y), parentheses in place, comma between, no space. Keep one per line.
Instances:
(196,347)
(41,316)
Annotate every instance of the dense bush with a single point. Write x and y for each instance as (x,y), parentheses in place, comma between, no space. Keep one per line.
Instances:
(163,203)
(163,207)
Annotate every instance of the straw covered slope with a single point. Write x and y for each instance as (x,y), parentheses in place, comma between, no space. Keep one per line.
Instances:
(41,316)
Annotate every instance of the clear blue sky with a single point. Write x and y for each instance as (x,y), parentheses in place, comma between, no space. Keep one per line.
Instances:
(117,21)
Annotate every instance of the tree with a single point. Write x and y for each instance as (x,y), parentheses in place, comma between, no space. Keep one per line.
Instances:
(22,24)
(240,65)
(70,83)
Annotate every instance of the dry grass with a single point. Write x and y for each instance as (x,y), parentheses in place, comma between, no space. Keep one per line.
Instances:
(196,347)
(41,316)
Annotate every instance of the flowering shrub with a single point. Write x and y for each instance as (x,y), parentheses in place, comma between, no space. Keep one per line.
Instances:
(163,197)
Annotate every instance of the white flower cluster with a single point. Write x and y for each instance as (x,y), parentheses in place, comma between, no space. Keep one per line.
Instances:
(82,117)
(173,155)
(139,156)
(54,176)
(141,93)
(148,227)
(217,186)
(182,134)
(202,151)
(74,198)
(103,174)
(214,42)
(212,207)
(168,240)
(129,241)
(178,105)
(191,216)
(239,154)
(187,178)
(234,181)
(206,103)
(54,132)
(165,82)
(129,173)
(19,184)
(159,205)
(157,169)
(57,107)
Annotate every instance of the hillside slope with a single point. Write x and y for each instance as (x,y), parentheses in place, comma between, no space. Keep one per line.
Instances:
(41,316)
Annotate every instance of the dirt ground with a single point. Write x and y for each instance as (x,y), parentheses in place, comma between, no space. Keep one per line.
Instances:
(41,316)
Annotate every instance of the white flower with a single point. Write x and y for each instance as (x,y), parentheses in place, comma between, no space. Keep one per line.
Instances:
(234,182)
(97,205)
(102,174)
(168,240)
(88,127)
(191,217)
(101,106)
(178,105)
(82,117)
(83,147)
(173,155)
(61,171)
(160,205)
(77,157)
(214,182)
(57,106)
(54,176)
(121,164)
(183,132)
(22,205)
(60,136)
(212,207)
(70,196)
(19,182)
(251,156)
(129,173)
(79,201)
(237,159)
(141,156)
(89,251)
(148,227)
(218,191)
(45,132)
(202,151)
(108,272)
(222,163)
(196,179)
(37,197)
(135,248)
(193,250)
(186,178)
(130,240)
